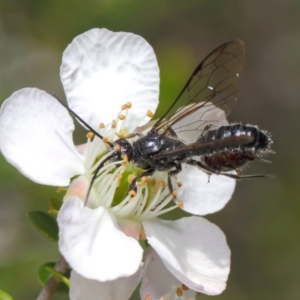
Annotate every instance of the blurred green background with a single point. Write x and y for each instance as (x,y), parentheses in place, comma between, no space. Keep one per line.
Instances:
(262,220)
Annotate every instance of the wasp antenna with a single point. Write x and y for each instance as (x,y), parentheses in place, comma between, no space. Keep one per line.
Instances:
(80,119)
(95,175)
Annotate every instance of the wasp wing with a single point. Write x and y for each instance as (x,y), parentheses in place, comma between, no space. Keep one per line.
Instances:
(212,85)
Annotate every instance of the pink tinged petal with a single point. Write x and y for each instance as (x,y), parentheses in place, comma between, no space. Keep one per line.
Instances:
(194,250)
(202,195)
(120,289)
(92,243)
(102,70)
(36,137)
(158,281)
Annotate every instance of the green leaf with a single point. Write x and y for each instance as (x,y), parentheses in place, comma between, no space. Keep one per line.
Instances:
(54,206)
(47,270)
(5,296)
(45,224)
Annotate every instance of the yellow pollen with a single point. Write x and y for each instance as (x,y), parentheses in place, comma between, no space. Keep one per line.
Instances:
(179,292)
(105,140)
(142,234)
(121,117)
(130,178)
(132,193)
(129,104)
(179,183)
(117,148)
(101,125)
(140,183)
(113,124)
(61,190)
(90,135)
(184,287)
(149,113)
(125,158)
(144,178)
(147,297)
(174,195)
(119,176)
(161,183)
(124,106)
(179,204)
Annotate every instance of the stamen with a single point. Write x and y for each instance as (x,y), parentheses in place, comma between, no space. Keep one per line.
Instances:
(179,204)
(117,148)
(142,234)
(90,135)
(130,178)
(125,158)
(121,117)
(147,297)
(179,292)
(149,113)
(184,287)
(179,183)
(174,195)
(101,126)
(113,124)
(61,190)
(132,193)
(105,140)
(129,104)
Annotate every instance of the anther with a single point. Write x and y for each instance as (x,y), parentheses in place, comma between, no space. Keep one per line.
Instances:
(113,124)
(121,117)
(130,178)
(144,178)
(140,183)
(119,176)
(125,158)
(129,104)
(142,234)
(174,195)
(61,190)
(117,148)
(179,204)
(124,106)
(149,113)
(101,125)
(184,287)
(198,294)
(179,183)
(132,193)
(147,297)
(162,183)
(179,292)
(105,140)
(90,135)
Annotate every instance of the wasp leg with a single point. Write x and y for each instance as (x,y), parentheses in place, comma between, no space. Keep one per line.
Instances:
(211,171)
(173,173)
(132,185)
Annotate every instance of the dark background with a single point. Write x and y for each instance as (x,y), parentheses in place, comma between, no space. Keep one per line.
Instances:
(262,220)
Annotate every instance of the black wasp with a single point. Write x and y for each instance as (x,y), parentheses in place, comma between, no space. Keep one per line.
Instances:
(189,132)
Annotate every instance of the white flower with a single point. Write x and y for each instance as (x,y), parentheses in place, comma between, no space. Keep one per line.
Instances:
(101,72)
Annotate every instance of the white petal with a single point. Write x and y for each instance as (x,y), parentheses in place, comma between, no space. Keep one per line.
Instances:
(36,137)
(87,289)
(102,70)
(202,195)
(92,244)
(158,281)
(193,250)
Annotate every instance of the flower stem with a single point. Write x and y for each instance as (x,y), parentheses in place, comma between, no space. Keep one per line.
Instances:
(51,284)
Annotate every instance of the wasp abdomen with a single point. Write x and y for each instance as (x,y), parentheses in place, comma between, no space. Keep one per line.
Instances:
(234,157)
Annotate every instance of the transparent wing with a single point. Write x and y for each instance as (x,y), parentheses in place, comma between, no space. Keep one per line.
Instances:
(211,90)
